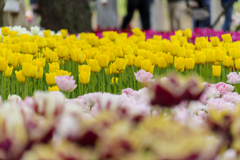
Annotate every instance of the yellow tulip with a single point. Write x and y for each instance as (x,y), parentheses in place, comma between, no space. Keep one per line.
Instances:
(216,70)
(138,61)
(39,74)
(63,73)
(154,58)
(53,57)
(179,63)
(108,70)
(26,58)
(62,51)
(220,54)
(112,35)
(84,68)
(93,63)
(228,61)
(47,33)
(237,64)
(53,89)
(34,70)
(130,59)
(41,42)
(179,33)
(137,32)
(51,43)
(50,78)
(146,65)
(189,53)
(173,38)
(43,61)
(182,52)
(29,48)
(103,60)
(7,40)
(152,69)
(111,55)
(4,64)
(188,33)
(169,58)
(15,62)
(64,32)
(20,76)
(233,52)
(13,33)
(166,45)
(5,31)
(215,41)
(200,57)
(174,48)
(84,77)
(183,40)
(114,81)
(162,62)
(156,37)
(121,64)
(118,52)
(227,38)
(144,53)
(8,72)
(26,70)
(16,48)
(211,56)
(190,63)
(113,68)
(53,67)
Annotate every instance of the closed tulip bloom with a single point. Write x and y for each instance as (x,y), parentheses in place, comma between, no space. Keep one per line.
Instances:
(53,89)
(188,33)
(84,68)
(138,61)
(130,59)
(26,58)
(211,56)
(47,33)
(65,83)
(15,62)
(84,77)
(63,73)
(137,32)
(41,42)
(112,35)
(13,33)
(121,64)
(64,32)
(154,58)
(50,78)
(53,57)
(215,41)
(158,38)
(114,81)
(75,54)
(146,65)
(62,51)
(190,63)
(51,43)
(227,38)
(220,54)
(166,46)
(4,64)
(237,64)
(108,70)
(228,61)
(162,62)
(182,52)
(5,31)
(152,69)
(103,60)
(8,72)
(169,58)
(127,50)
(7,40)
(20,76)
(144,53)
(53,67)
(93,63)
(34,70)
(118,52)
(233,52)
(16,48)
(216,70)
(26,70)
(200,57)
(183,40)
(113,68)
(179,63)
(39,74)
(111,55)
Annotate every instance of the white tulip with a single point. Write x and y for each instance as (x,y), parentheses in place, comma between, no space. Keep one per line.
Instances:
(35,30)
(14,98)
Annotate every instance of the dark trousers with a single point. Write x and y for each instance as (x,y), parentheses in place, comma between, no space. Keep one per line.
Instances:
(144,9)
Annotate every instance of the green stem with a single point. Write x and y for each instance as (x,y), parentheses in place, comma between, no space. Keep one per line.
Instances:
(134,81)
(3,87)
(12,83)
(8,85)
(17,86)
(131,76)
(115,89)
(26,88)
(84,89)
(98,82)
(62,65)
(23,90)
(93,81)
(103,82)
(120,83)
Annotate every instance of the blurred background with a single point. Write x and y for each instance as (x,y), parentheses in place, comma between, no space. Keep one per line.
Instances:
(98,15)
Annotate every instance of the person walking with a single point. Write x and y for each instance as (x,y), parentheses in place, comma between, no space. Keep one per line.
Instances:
(107,18)
(144,9)
(36,15)
(228,15)
(176,11)
(16,18)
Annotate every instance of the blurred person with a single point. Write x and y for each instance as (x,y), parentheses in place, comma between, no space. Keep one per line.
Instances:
(17,19)
(176,11)
(228,15)
(74,15)
(107,18)
(36,16)
(144,9)
(201,18)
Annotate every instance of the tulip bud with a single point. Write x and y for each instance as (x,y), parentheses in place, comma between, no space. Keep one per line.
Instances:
(227,38)
(84,77)
(190,63)
(216,70)
(162,62)
(20,76)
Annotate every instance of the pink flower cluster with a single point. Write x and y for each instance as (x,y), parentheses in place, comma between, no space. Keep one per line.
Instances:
(233,78)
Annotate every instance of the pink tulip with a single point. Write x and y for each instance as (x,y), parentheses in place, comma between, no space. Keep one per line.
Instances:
(233,78)
(143,77)
(65,83)
(128,91)
(224,88)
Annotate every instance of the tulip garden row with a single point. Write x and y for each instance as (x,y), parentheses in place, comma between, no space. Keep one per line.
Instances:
(33,61)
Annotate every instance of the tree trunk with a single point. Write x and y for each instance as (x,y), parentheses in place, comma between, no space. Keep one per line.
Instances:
(1,12)
(74,15)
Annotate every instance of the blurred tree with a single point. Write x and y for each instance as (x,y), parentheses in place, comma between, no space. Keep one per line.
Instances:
(74,15)
(1,12)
